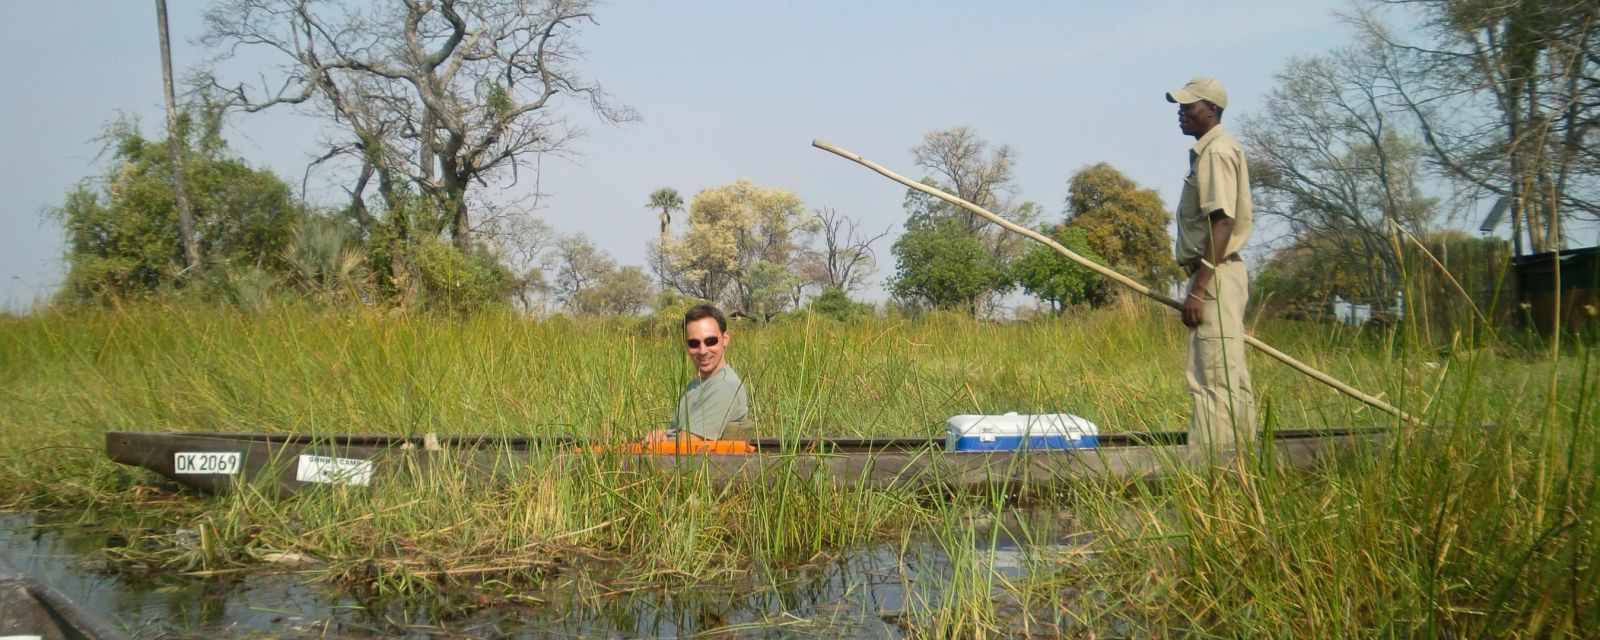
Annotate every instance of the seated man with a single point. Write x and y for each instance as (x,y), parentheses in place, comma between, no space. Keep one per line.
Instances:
(716,398)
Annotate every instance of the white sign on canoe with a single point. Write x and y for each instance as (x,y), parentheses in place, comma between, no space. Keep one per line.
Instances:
(225,463)
(328,470)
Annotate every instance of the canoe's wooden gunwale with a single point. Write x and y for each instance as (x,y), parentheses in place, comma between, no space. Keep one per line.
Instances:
(29,608)
(520,443)
(868,462)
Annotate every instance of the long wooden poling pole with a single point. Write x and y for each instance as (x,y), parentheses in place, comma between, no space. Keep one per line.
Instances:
(1130,283)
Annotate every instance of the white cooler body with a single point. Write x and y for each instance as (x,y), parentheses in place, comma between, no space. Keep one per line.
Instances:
(1012,432)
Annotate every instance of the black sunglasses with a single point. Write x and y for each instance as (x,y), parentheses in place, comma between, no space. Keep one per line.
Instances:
(695,343)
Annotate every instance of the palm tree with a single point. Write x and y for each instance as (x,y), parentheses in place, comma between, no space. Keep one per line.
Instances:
(667,200)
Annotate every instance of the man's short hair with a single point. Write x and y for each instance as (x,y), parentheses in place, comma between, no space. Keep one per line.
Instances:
(703,311)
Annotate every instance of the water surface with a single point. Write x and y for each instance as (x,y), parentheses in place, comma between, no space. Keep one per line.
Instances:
(872,592)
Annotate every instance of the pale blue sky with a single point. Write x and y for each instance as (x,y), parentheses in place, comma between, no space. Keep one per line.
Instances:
(726,90)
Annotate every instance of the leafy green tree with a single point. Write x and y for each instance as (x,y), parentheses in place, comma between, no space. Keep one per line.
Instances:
(1122,222)
(1302,280)
(771,286)
(123,239)
(940,264)
(737,235)
(618,292)
(1057,280)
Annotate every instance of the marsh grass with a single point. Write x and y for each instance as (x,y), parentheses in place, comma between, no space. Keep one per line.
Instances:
(1480,523)
(1449,528)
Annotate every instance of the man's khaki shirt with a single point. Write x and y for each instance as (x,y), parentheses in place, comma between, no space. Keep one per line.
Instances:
(1219,179)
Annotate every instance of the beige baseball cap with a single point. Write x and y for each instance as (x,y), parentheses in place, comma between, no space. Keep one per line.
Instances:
(1200,88)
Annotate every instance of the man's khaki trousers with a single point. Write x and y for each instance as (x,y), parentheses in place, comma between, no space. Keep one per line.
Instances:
(1224,406)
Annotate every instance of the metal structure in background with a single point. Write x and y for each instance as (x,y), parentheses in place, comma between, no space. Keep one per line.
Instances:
(1496,214)
(1567,282)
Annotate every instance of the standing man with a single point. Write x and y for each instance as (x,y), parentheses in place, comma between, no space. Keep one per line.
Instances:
(1213,225)
(716,399)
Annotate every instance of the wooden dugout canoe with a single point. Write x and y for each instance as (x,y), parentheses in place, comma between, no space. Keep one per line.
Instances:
(32,610)
(288,463)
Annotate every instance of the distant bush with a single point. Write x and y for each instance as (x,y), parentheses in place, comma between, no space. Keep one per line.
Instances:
(453,281)
(835,303)
(1301,281)
(250,288)
(666,318)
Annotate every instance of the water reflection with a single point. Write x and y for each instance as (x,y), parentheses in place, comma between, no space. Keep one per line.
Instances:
(866,593)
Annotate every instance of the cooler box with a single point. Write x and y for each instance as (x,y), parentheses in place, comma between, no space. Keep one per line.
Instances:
(1011,432)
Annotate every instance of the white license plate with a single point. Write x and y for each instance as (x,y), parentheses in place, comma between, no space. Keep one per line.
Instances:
(328,470)
(225,463)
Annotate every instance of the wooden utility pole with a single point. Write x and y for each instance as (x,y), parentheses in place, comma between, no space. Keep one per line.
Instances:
(191,244)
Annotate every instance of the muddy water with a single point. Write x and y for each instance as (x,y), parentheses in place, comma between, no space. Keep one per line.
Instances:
(872,592)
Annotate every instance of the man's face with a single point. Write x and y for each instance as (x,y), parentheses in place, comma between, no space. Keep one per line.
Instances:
(1195,118)
(706,344)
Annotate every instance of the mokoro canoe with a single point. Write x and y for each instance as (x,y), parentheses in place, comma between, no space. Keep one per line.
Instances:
(289,463)
(32,610)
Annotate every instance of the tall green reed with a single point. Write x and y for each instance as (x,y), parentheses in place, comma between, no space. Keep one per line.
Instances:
(1451,528)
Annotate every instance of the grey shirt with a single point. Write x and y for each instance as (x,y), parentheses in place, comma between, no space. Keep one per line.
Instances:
(707,406)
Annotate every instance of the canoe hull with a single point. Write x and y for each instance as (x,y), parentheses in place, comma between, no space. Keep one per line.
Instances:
(30,609)
(287,464)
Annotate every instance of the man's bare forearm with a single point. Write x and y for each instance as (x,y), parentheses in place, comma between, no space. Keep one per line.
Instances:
(1221,231)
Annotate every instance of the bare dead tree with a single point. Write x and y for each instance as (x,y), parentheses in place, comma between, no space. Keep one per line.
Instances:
(960,160)
(1328,158)
(845,258)
(526,245)
(439,96)
(1507,97)
(580,266)
(191,242)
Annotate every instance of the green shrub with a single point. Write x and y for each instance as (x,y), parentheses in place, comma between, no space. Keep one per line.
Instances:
(123,240)
(667,317)
(835,303)
(454,281)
